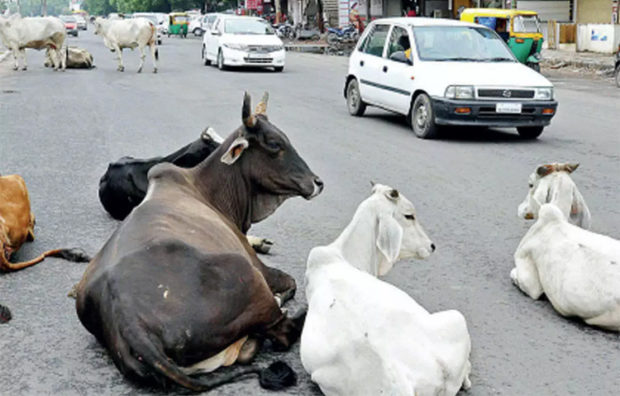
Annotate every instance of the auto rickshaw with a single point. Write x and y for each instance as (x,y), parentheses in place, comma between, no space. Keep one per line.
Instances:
(520,29)
(178,23)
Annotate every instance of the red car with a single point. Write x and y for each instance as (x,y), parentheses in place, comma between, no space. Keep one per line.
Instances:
(70,24)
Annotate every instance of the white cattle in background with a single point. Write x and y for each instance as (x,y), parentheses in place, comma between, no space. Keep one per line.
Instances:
(129,33)
(552,184)
(363,336)
(578,270)
(39,33)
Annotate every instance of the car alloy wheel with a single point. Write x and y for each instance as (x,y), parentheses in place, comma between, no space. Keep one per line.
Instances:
(354,100)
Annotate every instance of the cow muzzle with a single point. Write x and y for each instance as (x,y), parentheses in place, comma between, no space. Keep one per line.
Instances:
(318,188)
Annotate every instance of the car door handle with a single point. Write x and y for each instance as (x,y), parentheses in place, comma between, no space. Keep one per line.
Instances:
(362,63)
(385,69)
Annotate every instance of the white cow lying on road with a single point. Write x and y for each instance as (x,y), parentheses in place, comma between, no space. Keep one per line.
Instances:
(19,33)
(578,270)
(363,336)
(129,33)
(552,184)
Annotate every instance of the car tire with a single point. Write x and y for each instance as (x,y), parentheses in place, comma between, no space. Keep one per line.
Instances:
(422,118)
(618,76)
(355,104)
(220,61)
(206,61)
(530,132)
(197,32)
(278,69)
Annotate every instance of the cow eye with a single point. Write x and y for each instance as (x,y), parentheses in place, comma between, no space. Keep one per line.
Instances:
(273,145)
(410,217)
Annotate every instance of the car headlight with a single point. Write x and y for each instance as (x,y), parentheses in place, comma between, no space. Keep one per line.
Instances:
(240,47)
(460,92)
(543,94)
(275,48)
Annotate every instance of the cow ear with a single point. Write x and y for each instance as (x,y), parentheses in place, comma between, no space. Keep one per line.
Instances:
(235,150)
(390,238)
(544,170)
(246,112)
(570,168)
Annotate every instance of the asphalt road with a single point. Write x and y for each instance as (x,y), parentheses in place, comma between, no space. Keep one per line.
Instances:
(59,131)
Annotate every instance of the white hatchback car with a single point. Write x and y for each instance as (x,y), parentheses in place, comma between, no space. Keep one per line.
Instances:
(242,41)
(445,72)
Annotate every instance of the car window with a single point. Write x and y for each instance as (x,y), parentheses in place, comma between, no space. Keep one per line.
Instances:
(216,25)
(399,41)
(376,40)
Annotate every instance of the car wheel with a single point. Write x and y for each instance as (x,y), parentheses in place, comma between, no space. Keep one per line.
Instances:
(355,104)
(423,118)
(206,61)
(278,68)
(618,76)
(530,132)
(220,61)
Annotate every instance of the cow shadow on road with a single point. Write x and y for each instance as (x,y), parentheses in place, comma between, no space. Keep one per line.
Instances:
(458,133)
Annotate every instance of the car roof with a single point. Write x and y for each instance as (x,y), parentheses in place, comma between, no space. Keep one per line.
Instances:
(495,12)
(421,21)
(229,16)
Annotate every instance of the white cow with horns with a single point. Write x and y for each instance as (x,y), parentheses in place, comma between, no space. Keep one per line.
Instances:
(363,336)
(578,270)
(129,33)
(39,33)
(552,184)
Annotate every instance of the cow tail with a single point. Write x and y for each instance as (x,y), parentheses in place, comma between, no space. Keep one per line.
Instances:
(75,255)
(275,377)
(157,54)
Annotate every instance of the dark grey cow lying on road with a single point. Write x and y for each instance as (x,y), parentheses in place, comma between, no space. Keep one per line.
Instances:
(124,184)
(177,290)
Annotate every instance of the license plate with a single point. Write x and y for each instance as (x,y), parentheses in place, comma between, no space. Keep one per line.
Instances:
(511,108)
(255,56)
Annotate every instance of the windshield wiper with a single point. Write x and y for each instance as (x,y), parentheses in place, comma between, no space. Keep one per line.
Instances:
(498,59)
(457,59)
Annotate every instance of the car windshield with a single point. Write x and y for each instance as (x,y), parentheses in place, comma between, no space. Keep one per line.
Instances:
(151,18)
(526,24)
(247,26)
(66,18)
(460,43)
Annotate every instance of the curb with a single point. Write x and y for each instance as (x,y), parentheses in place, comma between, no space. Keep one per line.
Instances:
(602,65)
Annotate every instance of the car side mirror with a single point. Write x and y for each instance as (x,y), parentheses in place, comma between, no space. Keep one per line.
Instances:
(399,56)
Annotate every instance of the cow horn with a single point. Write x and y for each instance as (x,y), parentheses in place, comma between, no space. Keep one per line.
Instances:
(570,168)
(246,113)
(261,107)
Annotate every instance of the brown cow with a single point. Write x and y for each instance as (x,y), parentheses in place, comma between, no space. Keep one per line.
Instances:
(17,227)
(177,290)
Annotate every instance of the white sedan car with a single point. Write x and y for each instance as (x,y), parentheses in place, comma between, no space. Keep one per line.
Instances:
(242,41)
(444,72)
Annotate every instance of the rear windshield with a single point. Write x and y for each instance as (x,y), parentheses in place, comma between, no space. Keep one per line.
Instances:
(67,18)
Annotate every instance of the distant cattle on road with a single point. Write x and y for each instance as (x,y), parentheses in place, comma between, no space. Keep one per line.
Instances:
(75,58)
(39,33)
(177,290)
(129,33)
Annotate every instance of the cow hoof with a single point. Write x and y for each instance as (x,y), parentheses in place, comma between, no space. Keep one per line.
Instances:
(260,245)
(24,68)
(155,71)
(140,70)
(15,68)
(121,69)
(73,292)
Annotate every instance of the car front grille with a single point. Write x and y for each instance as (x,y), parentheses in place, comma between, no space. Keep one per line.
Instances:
(505,93)
(258,60)
(261,49)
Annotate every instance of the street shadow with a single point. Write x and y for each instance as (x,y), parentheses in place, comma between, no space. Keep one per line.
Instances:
(464,134)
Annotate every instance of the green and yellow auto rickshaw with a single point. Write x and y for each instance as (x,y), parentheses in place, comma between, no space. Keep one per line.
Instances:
(178,23)
(520,29)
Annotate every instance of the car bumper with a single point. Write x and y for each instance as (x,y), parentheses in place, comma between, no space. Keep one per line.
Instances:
(242,58)
(482,113)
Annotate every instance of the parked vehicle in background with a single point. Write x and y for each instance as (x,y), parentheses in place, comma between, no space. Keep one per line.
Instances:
(444,72)
(617,75)
(195,25)
(178,24)
(285,30)
(208,20)
(306,32)
(81,22)
(346,33)
(70,24)
(242,41)
(518,28)
(162,21)
(154,20)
